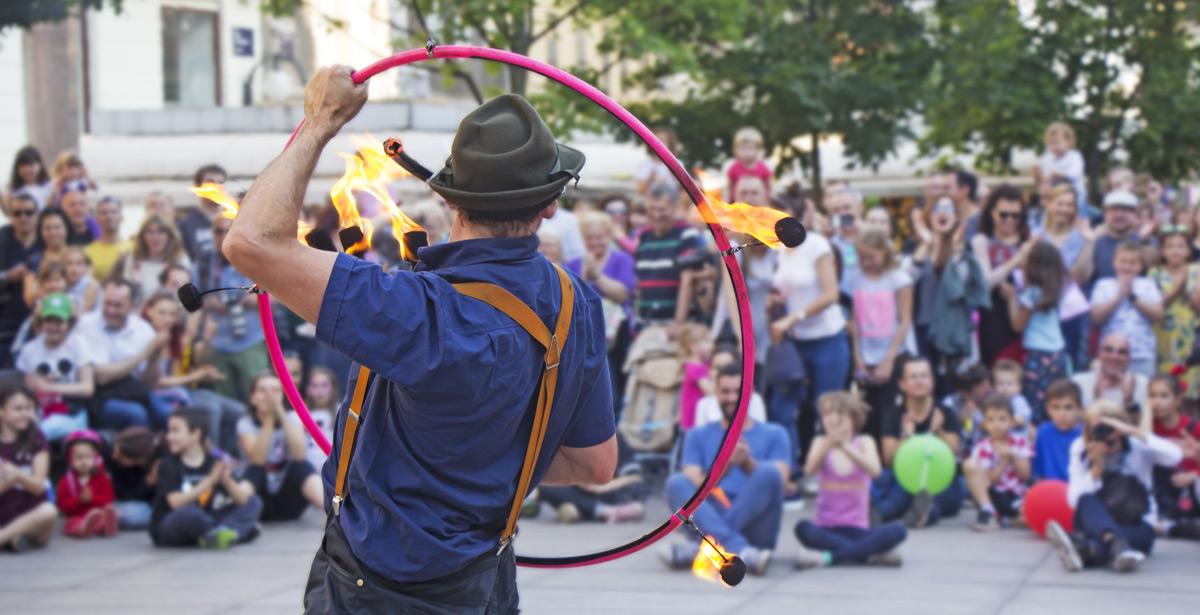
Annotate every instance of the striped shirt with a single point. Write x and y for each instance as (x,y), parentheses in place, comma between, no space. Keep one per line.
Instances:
(658,272)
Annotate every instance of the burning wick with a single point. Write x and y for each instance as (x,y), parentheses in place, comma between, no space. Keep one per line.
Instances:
(789,231)
(732,568)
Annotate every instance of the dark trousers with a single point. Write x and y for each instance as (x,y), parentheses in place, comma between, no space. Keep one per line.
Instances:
(184,526)
(1093,520)
(892,501)
(850,544)
(338,583)
(585,501)
(288,502)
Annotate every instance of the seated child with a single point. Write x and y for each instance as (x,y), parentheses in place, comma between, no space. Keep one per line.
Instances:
(1130,303)
(1111,480)
(274,444)
(1007,376)
(1064,404)
(998,467)
(26,518)
(132,465)
(845,461)
(85,493)
(321,395)
(198,501)
(1176,490)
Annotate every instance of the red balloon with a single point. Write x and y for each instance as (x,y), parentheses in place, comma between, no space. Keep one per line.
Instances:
(1047,501)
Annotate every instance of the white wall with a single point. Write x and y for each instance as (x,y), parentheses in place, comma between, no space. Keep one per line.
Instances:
(13,134)
(126,57)
(237,14)
(366,38)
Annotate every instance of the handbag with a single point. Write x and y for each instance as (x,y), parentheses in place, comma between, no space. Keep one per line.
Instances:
(784,364)
(1125,497)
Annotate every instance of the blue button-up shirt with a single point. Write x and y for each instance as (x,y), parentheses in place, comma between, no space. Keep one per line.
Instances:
(448,416)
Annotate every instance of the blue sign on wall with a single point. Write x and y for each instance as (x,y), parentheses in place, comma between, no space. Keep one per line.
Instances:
(243,42)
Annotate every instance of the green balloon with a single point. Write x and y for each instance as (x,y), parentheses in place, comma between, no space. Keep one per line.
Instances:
(924,462)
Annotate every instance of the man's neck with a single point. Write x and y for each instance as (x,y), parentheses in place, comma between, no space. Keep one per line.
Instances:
(746,425)
(1119,235)
(27,238)
(1116,380)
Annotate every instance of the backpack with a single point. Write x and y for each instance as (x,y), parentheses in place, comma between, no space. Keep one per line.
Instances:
(651,411)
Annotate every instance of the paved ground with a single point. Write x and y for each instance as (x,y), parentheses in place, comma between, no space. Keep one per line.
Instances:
(947,569)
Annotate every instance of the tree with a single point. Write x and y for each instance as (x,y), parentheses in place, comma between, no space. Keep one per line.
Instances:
(1124,73)
(26,13)
(795,69)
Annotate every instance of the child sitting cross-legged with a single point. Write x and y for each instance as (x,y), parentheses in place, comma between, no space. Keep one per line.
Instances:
(845,462)
(85,492)
(998,468)
(198,500)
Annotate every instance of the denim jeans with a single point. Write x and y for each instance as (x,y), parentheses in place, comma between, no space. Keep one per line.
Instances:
(133,514)
(1094,521)
(752,519)
(827,363)
(117,414)
(892,501)
(183,526)
(58,426)
(850,544)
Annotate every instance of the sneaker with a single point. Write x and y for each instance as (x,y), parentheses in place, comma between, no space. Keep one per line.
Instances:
(568,513)
(810,559)
(985,521)
(109,528)
(252,535)
(679,555)
(218,538)
(20,544)
(1127,559)
(889,559)
(531,506)
(756,560)
(630,511)
(918,514)
(1067,553)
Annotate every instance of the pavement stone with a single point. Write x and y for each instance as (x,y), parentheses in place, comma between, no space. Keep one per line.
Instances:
(947,570)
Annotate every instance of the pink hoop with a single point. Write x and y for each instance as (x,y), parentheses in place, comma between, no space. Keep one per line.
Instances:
(717,469)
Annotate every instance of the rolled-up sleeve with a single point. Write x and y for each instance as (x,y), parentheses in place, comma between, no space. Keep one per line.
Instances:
(386,321)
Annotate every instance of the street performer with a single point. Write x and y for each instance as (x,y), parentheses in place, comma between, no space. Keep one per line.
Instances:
(482,372)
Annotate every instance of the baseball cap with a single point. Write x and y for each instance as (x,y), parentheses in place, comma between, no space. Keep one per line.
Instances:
(56,305)
(1120,198)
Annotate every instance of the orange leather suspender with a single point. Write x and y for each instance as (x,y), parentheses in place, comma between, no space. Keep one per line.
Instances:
(552,342)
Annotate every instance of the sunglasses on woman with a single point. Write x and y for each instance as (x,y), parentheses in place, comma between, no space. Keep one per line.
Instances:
(1009,215)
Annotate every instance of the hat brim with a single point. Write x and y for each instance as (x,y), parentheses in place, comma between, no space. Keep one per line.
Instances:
(570,162)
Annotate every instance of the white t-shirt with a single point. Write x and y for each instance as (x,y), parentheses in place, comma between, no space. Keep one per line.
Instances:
(277,453)
(1070,165)
(796,278)
(709,411)
(1127,319)
(877,312)
(114,346)
(59,364)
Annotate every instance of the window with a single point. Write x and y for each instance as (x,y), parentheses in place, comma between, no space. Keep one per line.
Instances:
(190,68)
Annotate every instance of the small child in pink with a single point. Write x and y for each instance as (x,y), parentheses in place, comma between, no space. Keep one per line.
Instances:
(694,349)
(747,160)
(85,492)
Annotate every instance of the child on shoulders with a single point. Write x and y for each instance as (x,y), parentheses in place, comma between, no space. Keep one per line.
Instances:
(747,160)
(85,492)
(998,468)
(846,461)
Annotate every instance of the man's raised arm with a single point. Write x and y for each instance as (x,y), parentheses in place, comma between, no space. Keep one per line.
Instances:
(262,242)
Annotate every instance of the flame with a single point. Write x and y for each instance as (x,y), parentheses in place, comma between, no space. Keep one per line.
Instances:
(758,222)
(707,564)
(216,193)
(368,170)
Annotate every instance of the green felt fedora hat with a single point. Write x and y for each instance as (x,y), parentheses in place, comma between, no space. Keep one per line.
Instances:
(504,160)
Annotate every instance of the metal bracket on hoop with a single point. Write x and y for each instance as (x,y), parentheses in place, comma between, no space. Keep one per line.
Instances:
(429,45)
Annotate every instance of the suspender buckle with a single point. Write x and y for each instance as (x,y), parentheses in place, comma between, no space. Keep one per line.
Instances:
(552,353)
(337,505)
(503,545)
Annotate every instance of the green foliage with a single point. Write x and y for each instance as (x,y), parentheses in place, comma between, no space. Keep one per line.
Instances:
(26,13)
(1124,73)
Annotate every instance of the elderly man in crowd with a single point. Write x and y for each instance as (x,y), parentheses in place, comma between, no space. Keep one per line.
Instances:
(1112,378)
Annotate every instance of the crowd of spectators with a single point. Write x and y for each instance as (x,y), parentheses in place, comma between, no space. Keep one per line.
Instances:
(1040,333)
